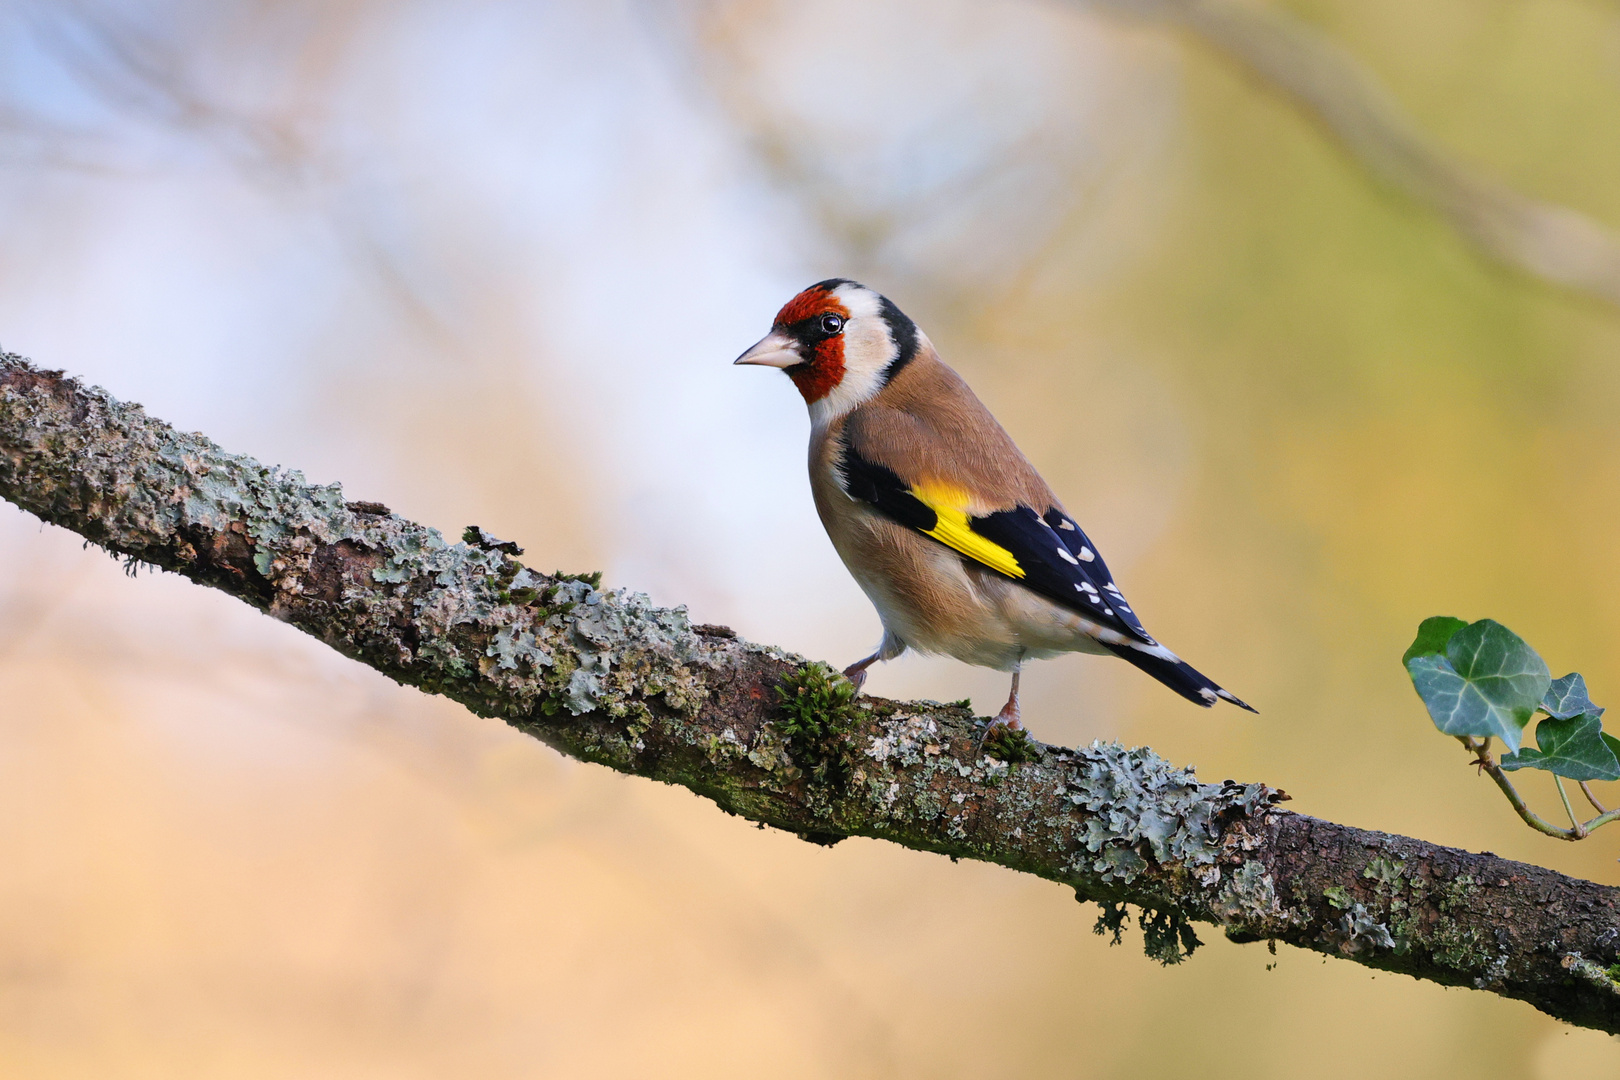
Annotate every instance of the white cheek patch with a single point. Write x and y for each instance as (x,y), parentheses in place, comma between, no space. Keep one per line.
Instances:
(860,301)
(868,350)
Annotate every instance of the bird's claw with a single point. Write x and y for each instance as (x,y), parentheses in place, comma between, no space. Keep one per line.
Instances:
(1006,718)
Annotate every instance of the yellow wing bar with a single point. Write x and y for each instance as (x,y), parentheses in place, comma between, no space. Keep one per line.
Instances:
(951,528)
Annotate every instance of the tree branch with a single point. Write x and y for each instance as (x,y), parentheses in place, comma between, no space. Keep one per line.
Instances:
(607,677)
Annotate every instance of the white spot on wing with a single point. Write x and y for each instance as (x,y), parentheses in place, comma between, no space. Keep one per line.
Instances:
(1153,648)
(1066,524)
(1085,554)
(1064,554)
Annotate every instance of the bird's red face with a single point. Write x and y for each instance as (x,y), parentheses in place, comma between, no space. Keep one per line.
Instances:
(815,320)
(839,342)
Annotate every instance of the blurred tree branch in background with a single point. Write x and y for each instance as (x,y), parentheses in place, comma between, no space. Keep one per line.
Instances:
(1330,86)
(1283,53)
(607,677)
(141,74)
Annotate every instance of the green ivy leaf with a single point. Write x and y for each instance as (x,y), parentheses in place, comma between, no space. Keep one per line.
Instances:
(1432,635)
(1567,697)
(1488,682)
(1575,747)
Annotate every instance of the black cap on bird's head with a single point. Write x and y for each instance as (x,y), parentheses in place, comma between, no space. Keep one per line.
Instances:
(839,342)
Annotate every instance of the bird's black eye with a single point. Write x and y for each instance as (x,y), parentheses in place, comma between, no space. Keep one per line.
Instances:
(831,324)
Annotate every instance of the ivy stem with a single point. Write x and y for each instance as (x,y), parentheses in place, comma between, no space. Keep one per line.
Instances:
(1575,822)
(1482,758)
(1601,820)
(1591,798)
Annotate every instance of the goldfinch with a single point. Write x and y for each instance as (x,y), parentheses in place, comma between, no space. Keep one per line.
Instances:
(947,528)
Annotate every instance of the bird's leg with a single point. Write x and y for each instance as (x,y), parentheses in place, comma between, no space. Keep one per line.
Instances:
(1008,716)
(1009,712)
(856,672)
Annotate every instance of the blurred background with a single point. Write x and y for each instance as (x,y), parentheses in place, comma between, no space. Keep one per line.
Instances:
(488,262)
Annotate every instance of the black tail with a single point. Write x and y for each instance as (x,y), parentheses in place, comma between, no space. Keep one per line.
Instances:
(1179,676)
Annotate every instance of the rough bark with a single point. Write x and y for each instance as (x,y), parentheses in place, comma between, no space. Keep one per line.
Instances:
(609,678)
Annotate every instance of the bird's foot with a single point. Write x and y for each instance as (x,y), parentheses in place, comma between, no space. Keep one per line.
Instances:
(1007,720)
(1009,716)
(856,672)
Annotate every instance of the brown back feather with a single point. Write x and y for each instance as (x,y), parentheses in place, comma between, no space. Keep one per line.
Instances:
(927,425)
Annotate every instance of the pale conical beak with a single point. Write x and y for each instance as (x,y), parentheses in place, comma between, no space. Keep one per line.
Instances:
(775,349)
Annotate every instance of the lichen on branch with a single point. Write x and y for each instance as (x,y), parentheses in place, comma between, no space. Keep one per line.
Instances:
(609,677)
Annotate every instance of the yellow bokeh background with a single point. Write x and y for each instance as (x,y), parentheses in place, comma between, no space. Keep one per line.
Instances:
(488,262)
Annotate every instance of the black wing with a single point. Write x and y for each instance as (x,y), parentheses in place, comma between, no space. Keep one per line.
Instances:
(1046,552)
(1048,555)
